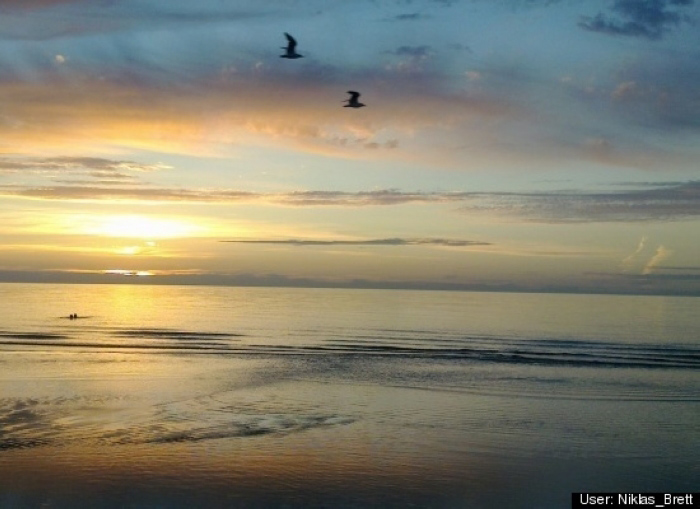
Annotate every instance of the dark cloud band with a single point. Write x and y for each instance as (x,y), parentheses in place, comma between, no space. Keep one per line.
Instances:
(667,201)
(638,18)
(369,242)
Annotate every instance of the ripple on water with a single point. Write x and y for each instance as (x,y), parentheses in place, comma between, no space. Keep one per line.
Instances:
(35,422)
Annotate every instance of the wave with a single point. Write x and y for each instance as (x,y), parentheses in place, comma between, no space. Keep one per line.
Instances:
(110,338)
(438,345)
(568,353)
(32,335)
(173,334)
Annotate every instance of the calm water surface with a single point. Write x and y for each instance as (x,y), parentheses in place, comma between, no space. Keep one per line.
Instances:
(240,397)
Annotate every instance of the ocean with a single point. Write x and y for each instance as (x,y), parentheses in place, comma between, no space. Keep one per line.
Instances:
(187,396)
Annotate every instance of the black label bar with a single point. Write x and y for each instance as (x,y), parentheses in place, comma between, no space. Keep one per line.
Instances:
(648,500)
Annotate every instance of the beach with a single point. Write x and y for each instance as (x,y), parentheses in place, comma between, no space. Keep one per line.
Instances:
(344,398)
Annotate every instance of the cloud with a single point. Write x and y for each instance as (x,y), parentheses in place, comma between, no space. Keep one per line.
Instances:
(412,59)
(52,19)
(35,4)
(414,16)
(473,75)
(643,284)
(625,90)
(650,19)
(657,92)
(368,242)
(661,91)
(661,255)
(629,260)
(412,51)
(104,180)
(687,268)
(298,109)
(458,46)
(294,198)
(96,165)
(87,171)
(667,202)
(653,264)
(364,198)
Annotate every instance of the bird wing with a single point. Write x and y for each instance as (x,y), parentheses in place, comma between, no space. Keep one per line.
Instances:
(353,95)
(292,41)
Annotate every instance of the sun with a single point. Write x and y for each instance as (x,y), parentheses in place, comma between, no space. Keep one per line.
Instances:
(142,227)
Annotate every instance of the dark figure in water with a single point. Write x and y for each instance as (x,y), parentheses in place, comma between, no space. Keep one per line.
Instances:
(73,316)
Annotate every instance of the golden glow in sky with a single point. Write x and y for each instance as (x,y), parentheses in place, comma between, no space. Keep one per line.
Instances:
(141,227)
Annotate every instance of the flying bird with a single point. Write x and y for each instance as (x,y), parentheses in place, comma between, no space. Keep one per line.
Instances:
(290,48)
(353,102)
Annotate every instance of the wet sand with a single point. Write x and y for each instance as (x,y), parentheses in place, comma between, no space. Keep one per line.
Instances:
(144,430)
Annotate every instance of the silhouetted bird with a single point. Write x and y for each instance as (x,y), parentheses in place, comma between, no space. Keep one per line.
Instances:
(353,102)
(291,48)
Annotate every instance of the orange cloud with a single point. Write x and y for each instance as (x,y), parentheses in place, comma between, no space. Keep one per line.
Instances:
(86,115)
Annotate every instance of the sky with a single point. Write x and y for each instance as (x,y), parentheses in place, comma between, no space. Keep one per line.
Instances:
(514,145)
